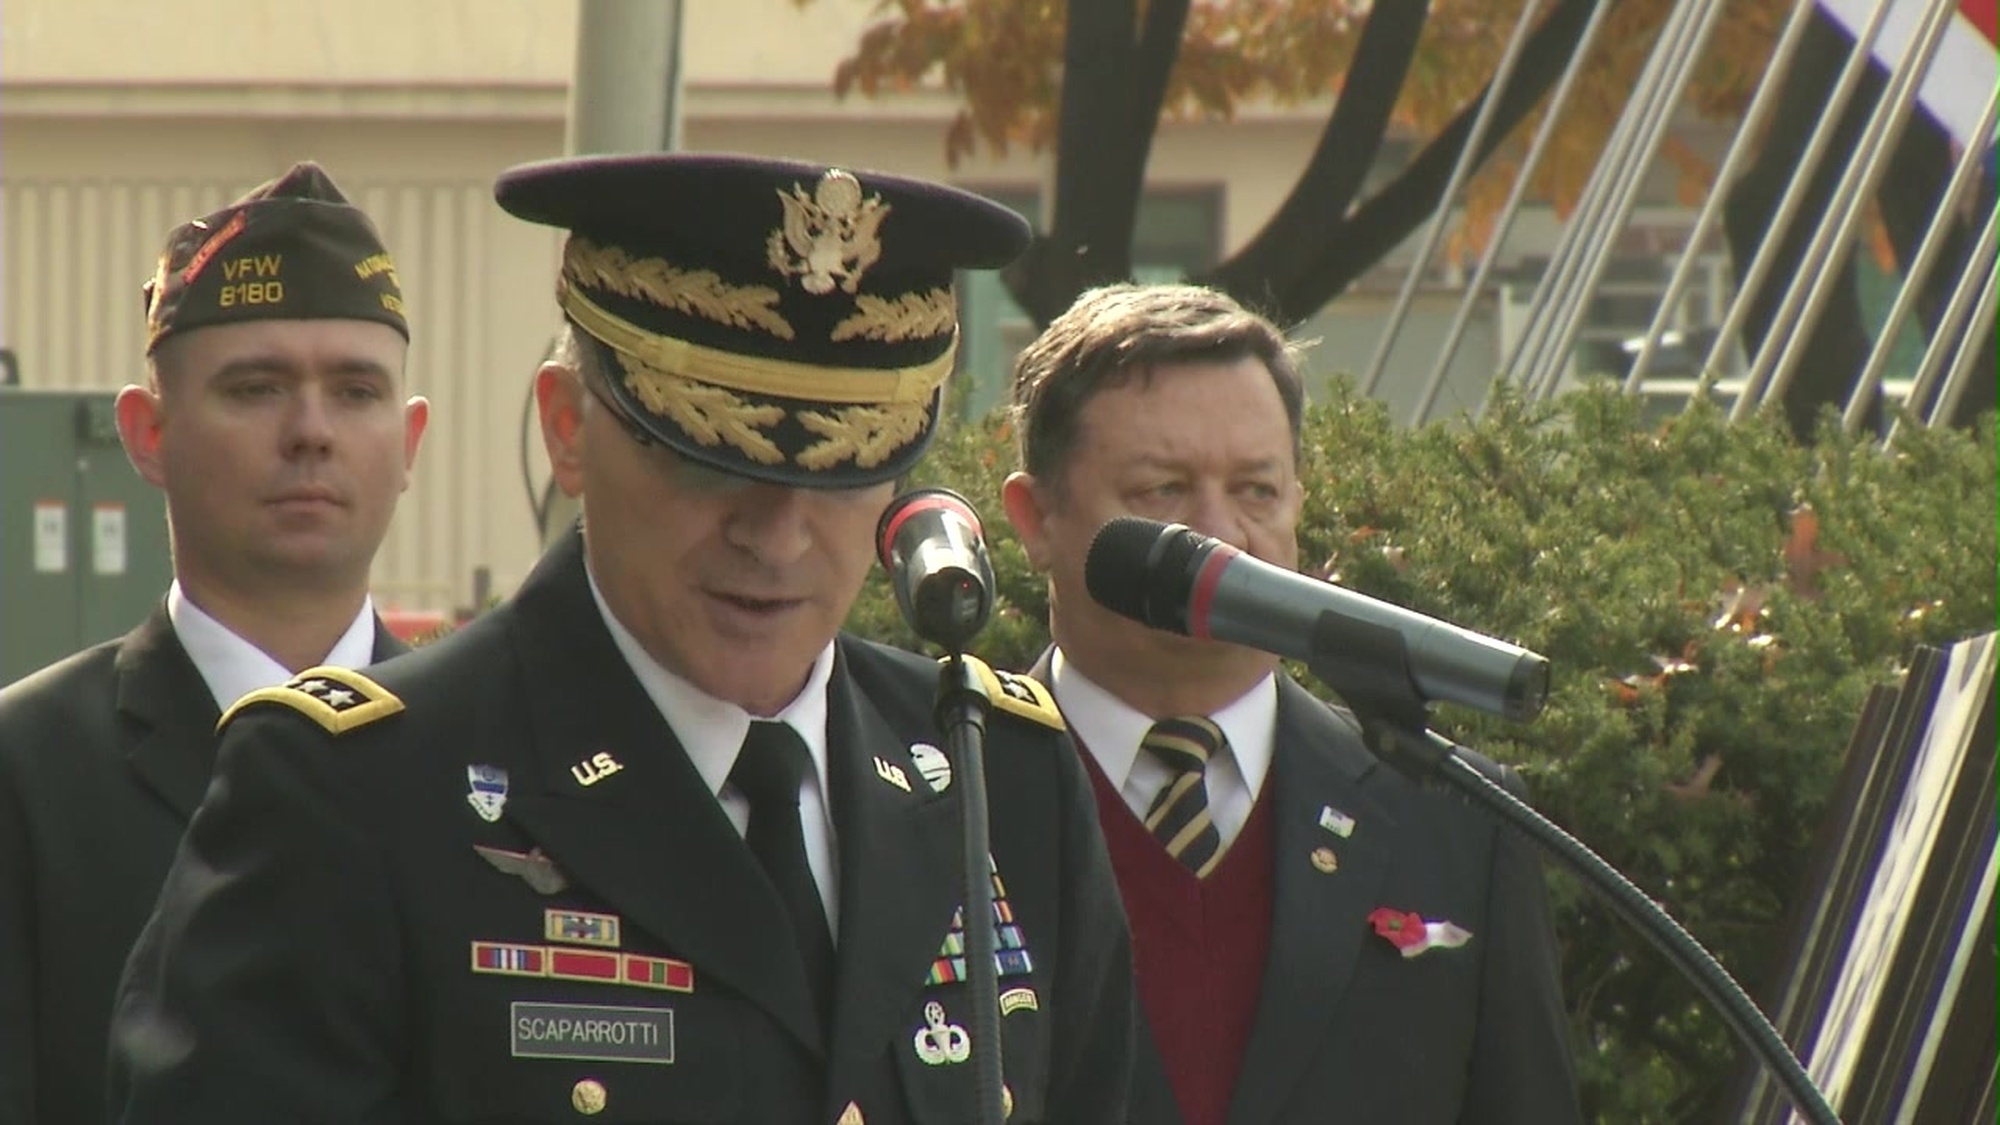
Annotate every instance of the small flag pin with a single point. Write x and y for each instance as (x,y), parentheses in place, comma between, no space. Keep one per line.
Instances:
(1336,822)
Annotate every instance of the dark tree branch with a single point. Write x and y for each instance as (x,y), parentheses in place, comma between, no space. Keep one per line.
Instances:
(1114,82)
(1337,249)
(1347,146)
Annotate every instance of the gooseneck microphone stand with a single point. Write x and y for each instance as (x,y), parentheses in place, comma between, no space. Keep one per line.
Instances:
(1369,666)
(962,705)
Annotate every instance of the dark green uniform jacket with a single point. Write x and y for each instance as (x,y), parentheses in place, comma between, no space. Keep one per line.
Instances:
(432,898)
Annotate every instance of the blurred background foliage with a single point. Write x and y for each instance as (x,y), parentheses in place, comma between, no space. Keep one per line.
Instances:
(1716,601)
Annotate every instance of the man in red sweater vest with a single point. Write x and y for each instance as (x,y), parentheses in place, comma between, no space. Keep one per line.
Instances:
(1316,938)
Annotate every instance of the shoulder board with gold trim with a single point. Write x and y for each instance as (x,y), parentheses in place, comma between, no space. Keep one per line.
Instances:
(1018,695)
(339,699)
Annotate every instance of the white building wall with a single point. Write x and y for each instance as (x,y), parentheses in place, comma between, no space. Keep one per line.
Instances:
(119,120)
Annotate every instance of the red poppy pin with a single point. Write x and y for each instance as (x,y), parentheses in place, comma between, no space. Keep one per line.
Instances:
(1411,934)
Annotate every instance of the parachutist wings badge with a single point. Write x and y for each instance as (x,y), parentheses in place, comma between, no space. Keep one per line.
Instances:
(532,867)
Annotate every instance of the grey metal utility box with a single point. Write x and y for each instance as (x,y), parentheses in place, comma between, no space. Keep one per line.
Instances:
(83,540)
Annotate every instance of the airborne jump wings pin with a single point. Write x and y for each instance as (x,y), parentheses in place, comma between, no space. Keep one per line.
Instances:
(532,867)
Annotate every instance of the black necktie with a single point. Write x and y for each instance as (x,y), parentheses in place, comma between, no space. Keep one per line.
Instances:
(1179,817)
(768,772)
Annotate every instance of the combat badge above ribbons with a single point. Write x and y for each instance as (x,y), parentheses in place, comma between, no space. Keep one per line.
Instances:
(338,699)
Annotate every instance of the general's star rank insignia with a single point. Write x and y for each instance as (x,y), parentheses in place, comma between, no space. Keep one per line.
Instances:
(338,699)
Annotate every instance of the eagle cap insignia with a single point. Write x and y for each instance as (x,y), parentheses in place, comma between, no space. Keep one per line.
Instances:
(830,237)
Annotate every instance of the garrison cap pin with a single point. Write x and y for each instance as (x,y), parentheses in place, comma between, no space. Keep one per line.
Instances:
(892,773)
(933,765)
(531,867)
(1335,821)
(851,1115)
(488,792)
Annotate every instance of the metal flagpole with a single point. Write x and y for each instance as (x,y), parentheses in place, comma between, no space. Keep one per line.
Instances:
(1740,147)
(1777,358)
(1766,257)
(1949,327)
(1681,70)
(1503,72)
(1537,148)
(1963,177)
(1517,366)
(1543,363)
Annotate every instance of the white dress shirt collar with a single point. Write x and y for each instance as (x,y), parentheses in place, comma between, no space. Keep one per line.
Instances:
(233,667)
(1111,729)
(711,731)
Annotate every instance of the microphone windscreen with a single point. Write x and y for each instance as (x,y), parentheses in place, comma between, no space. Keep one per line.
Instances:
(1138,568)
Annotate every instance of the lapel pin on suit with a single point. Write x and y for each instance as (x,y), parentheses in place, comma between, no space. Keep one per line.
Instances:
(1336,822)
(1324,861)
(1412,935)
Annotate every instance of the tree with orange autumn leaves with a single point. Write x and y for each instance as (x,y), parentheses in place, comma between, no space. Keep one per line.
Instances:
(1094,81)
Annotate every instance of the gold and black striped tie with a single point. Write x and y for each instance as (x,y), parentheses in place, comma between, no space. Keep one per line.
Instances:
(1179,817)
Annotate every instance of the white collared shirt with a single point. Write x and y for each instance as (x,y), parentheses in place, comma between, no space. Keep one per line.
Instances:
(1112,729)
(711,731)
(233,667)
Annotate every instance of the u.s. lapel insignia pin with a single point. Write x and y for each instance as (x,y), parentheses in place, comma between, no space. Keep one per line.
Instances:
(1324,861)
(932,764)
(1336,822)
(938,1042)
(892,773)
(595,768)
(488,791)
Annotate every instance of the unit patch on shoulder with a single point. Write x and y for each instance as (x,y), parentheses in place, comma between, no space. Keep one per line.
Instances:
(1018,695)
(339,699)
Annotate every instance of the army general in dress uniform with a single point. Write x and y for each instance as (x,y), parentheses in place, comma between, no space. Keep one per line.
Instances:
(652,841)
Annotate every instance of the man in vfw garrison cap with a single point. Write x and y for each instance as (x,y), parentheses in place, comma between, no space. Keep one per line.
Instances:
(273,420)
(653,839)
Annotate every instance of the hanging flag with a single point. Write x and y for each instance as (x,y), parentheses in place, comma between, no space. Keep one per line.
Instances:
(1963,71)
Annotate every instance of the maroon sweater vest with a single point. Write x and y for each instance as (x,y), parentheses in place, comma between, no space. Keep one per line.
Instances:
(1198,946)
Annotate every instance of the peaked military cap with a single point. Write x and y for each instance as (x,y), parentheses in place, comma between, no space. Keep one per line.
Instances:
(782,321)
(293,248)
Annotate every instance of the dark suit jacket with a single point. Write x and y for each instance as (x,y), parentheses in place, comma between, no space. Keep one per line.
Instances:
(103,757)
(1347,1029)
(315,953)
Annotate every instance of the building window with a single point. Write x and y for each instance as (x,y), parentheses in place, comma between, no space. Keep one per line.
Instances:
(1177,232)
